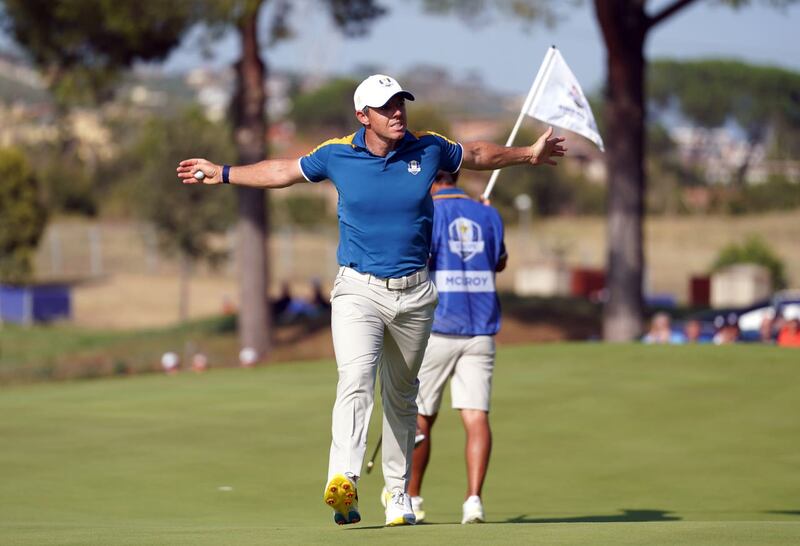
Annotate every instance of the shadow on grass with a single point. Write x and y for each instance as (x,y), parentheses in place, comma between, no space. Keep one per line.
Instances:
(420,524)
(784,512)
(625,516)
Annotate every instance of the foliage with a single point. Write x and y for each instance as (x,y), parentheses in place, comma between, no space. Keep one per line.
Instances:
(777,193)
(22,216)
(753,251)
(764,101)
(301,209)
(350,17)
(475,12)
(554,191)
(81,45)
(185,217)
(424,117)
(668,176)
(329,108)
(67,183)
(711,92)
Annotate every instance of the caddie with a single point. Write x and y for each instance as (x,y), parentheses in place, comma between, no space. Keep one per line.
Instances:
(467,249)
(383,300)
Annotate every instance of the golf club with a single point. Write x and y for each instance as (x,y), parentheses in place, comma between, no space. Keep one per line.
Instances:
(417,439)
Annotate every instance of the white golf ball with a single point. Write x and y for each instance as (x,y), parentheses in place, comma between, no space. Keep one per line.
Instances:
(248,357)
(199,175)
(170,360)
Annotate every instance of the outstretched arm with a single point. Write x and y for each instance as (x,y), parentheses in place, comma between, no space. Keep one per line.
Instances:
(270,173)
(483,155)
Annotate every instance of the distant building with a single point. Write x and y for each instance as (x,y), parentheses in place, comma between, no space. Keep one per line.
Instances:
(214,88)
(721,155)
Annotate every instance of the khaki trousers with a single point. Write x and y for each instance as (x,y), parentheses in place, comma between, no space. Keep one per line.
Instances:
(377,330)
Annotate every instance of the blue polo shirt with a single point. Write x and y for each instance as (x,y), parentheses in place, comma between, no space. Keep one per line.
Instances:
(467,246)
(385,209)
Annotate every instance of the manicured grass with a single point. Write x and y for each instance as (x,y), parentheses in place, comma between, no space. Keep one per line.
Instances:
(594,444)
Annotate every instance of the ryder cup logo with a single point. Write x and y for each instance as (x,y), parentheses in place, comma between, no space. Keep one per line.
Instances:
(577,97)
(466,238)
(413,167)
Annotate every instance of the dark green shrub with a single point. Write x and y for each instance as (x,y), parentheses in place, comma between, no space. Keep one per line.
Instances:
(753,251)
(22,216)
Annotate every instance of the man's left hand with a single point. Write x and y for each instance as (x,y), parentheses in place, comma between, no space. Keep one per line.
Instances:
(546,148)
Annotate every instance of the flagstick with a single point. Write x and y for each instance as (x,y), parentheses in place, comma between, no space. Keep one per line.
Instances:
(537,83)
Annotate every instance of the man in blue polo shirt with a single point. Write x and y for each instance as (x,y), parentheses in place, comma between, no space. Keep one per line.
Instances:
(467,250)
(382,302)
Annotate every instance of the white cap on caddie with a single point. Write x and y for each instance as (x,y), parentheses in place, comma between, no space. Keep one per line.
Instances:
(376,91)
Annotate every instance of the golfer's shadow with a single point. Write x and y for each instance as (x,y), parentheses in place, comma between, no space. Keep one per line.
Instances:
(627,516)
(784,512)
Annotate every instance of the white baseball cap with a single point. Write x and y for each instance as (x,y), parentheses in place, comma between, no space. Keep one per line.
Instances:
(376,91)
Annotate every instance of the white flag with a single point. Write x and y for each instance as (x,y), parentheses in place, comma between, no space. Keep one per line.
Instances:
(558,99)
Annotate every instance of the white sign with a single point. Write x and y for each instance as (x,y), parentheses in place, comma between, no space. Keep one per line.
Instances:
(464,281)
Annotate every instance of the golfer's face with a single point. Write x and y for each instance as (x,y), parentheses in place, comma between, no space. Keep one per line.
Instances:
(389,120)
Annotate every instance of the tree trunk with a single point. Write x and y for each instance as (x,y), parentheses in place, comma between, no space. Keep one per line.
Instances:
(250,127)
(183,291)
(624,25)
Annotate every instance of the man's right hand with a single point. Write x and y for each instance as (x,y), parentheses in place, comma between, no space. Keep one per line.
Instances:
(188,167)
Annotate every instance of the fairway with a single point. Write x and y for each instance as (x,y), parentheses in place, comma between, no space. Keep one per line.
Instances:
(594,444)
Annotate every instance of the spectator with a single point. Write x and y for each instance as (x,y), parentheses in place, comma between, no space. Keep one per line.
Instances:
(727,329)
(693,331)
(765,334)
(280,305)
(318,299)
(661,331)
(789,335)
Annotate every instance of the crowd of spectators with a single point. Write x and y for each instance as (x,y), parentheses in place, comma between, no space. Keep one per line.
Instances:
(288,307)
(777,328)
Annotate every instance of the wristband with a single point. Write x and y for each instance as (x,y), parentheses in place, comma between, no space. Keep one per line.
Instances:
(226,169)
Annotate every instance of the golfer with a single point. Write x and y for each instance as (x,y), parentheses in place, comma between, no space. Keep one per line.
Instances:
(382,299)
(466,252)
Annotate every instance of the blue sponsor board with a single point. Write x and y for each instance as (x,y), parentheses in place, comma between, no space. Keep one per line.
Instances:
(26,304)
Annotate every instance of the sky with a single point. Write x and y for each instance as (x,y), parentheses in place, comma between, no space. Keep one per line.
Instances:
(504,53)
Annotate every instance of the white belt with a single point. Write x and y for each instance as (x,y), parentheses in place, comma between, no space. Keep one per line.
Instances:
(400,283)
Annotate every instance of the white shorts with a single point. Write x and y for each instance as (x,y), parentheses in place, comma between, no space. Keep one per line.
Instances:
(468,360)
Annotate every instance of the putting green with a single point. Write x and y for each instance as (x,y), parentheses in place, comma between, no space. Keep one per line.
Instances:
(594,444)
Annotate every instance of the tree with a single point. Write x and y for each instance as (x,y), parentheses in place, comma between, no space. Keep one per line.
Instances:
(82,44)
(625,25)
(22,216)
(763,101)
(250,127)
(186,219)
(326,108)
(82,48)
